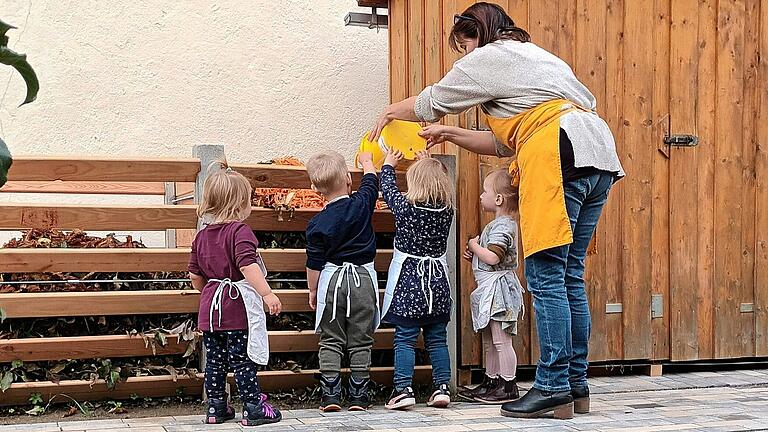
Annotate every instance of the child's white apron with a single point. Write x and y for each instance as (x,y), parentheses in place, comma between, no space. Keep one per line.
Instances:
(323,285)
(481,299)
(258,339)
(428,267)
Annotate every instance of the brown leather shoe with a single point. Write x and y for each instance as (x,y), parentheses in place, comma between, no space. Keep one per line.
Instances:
(487,384)
(505,391)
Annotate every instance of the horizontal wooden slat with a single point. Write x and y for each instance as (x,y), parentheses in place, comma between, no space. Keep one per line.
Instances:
(59,304)
(291,177)
(149,218)
(87,260)
(158,386)
(262,219)
(97,217)
(56,304)
(141,260)
(112,346)
(83,347)
(373,3)
(86,188)
(38,168)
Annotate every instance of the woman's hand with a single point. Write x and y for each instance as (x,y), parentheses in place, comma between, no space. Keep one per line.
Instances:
(384,119)
(435,134)
(273,303)
(393,158)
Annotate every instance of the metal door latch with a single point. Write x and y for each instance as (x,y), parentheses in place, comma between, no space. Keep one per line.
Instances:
(681,140)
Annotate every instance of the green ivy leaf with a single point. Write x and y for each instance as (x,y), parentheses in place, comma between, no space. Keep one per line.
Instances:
(18,62)
(5,164)
(37,410)
(17,364)
(6,379)
(3,316)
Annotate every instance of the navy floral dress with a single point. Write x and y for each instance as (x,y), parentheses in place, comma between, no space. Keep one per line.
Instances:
(420,230)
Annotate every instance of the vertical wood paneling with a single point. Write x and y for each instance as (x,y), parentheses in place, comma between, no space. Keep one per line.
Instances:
(518,11)
(566,30)
(683,221)
(761,209)
(590,68)
(610,250)
(732,334)
(416,52)
(660,251)
(638,113)
(398,50)
(705,164)
(543,21)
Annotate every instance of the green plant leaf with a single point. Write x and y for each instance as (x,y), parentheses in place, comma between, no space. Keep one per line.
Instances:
(17,364)
(37,410)
(6,380)
(18,62)
(3,316)
(35,399)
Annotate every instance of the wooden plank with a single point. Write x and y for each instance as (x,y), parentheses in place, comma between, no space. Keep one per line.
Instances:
(565,36)
(705,168)
(96,217)
(468,220)
(59,304)
(660,236)
(164,385)
(684,224)
(415,56)
(611,251)
(87,260)
(733,332)
(52,168)
(141,260)
(262,219)
(84,347)
(290,177)
(111,346)
(749,147)
(398,50)
(373,3)
(543,25)
(761,209)
(638,114)
(138,188)
(56,304)
(590,68)
(433,41)
(518,11)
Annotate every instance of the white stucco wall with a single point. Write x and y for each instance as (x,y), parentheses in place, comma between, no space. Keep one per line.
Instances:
(265,78)
(126,77)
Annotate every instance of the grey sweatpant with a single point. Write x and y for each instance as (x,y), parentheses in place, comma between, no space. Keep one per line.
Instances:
(354,333)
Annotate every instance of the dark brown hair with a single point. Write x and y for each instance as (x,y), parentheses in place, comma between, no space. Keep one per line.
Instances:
(488,23)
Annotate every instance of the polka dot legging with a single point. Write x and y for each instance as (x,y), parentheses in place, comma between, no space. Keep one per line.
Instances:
(225,350)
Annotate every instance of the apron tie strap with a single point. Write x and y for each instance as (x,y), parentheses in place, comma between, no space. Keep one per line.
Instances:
(218,297)
(431,267)
(346,269)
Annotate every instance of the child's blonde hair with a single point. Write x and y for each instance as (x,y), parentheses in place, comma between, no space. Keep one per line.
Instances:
(501,182)
(327,171)
(226,195)
(428,182)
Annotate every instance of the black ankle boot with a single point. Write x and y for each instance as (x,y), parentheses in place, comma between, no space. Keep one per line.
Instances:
(260,413)
(505,391)
(331,398)
(580,399)
(359,399)
(487,385)
(536,403)
(219,411)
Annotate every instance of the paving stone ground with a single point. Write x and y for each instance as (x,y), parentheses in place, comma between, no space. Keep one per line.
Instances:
(698,401)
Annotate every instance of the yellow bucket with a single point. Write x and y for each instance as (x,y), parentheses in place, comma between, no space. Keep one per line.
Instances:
(400,135)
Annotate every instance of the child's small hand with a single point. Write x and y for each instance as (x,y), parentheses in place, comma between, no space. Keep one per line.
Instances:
(422,154)
(468,254)
(473,243)
(273,303)
(393,158)
(364,158)
(313,300)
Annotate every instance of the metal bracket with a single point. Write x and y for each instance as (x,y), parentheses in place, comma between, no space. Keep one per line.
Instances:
(683,140)
(657,306)
(612,308)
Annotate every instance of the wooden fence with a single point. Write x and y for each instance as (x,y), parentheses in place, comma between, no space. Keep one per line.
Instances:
(143,177)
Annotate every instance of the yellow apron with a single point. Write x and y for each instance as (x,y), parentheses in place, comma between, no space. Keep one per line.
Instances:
(534,135)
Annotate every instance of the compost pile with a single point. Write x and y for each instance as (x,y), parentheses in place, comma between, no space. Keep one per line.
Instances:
(286,199)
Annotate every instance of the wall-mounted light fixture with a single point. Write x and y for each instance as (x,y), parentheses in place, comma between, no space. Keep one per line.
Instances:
(371,20)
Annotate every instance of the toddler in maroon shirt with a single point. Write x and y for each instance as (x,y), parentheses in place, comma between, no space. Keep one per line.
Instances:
(226,268)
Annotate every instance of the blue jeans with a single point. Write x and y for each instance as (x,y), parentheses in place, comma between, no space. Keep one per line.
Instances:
(435,340)
(556,281)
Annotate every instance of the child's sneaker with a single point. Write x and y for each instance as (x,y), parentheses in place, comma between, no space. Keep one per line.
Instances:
(219,411)
(441,397)
(359,399)
(260,413)
(401,399)
(331,399)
